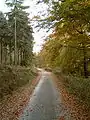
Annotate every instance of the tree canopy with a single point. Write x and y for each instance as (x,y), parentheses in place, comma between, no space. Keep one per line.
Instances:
(70,20)
(16,35)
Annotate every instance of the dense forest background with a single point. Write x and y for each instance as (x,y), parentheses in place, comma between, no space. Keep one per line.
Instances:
(68,47)
(16,39)
(16,48)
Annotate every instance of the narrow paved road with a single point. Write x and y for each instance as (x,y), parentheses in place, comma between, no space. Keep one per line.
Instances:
(45,102)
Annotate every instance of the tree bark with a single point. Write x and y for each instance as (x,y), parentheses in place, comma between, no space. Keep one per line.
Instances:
(21,57)
(85,65)
(1,51)
(15,42)
(5,54)
(18,57)
(10,52)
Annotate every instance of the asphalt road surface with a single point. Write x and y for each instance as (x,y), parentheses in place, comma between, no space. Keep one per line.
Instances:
(45,102)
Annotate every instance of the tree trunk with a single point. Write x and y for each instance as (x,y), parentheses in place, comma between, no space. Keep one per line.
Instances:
(24,55)
(15,42)
(10,52)
(1,51)
(5,54)
(85,63)
(21,57)
(18,57)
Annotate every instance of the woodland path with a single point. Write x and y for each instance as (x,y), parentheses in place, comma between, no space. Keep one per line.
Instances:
(45,102)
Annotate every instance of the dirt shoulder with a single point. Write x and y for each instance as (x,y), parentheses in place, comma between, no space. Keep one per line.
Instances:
(12,106)
(77,111)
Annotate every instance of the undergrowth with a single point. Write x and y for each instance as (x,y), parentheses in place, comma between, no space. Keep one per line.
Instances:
(78,86)
(12,78)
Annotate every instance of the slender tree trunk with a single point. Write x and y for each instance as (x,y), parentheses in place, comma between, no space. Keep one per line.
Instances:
(15,42)
(24,55)
(1,51)
(85,62)
(10,52)
(5,54)
(21,57)
(18,57)
(15,46)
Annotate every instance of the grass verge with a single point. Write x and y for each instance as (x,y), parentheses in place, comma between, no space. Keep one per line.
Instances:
(12,106)
(12,78)
(78,86)
(76,94)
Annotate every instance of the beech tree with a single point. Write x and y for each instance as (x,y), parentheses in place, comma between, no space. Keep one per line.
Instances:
(71,23)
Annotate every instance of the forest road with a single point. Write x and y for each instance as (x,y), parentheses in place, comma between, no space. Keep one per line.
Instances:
(45,102)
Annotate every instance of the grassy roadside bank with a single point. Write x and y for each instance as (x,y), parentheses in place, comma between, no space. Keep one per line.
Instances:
(76,95)
(12,78)
(13,103)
